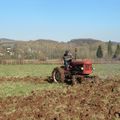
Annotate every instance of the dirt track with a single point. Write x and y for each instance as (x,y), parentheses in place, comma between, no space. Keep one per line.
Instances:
(99,100)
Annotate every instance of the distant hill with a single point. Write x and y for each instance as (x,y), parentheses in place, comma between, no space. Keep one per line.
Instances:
(85,40)
(45,48)
(46,40)
(6,40)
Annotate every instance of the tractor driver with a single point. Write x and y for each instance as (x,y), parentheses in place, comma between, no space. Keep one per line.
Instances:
(67,58)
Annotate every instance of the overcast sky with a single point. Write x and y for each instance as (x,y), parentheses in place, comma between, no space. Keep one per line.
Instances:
(60,20)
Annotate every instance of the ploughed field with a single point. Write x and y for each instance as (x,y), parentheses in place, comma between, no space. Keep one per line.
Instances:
(25,94)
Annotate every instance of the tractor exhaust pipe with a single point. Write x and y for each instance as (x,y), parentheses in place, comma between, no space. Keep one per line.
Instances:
(75,53)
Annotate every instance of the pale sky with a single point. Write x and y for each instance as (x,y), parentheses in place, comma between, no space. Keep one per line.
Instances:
(60,20)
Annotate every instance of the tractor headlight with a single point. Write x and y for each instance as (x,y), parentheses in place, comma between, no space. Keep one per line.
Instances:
(82,68)
(93,68)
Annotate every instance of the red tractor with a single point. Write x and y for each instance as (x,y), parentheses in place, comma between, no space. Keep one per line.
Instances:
(77,71)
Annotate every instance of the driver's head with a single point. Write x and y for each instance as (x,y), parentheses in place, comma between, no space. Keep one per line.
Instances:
(67,51)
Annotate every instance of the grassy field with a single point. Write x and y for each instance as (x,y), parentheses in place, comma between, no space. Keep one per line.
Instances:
(26,70)
(105,70)
(22,88)
(43,70)
(12,88)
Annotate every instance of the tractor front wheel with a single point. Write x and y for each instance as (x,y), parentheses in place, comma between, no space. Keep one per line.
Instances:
(58,75)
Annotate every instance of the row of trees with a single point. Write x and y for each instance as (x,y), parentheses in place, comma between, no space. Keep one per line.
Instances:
(46,49)
(110,52)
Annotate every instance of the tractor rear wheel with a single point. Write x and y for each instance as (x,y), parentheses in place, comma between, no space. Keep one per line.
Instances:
(58,75)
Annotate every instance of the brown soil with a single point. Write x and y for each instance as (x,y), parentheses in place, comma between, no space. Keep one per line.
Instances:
(90,100)
(24,79)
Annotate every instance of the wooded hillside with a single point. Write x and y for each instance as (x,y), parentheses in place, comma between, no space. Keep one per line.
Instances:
(50,49)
